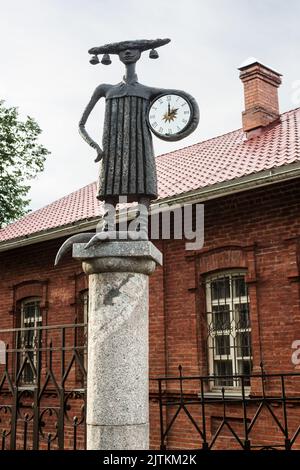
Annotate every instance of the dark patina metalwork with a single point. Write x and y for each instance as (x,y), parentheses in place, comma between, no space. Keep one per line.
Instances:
(128,163)
(222,418)
(48,411)
(43,388)
(127,157)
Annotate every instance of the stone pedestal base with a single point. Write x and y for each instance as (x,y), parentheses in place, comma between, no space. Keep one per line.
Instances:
(117,386)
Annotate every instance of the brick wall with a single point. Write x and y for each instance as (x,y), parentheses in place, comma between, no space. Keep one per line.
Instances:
(257,230)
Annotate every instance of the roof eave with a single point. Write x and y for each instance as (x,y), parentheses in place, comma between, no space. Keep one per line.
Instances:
(252,181)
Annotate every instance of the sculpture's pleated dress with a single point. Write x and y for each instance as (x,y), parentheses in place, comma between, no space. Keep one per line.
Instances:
(128,165)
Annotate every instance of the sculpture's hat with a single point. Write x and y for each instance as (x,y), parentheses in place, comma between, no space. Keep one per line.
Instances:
(140,44)
(117,47)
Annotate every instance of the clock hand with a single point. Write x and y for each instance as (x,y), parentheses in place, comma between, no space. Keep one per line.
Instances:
(169,109)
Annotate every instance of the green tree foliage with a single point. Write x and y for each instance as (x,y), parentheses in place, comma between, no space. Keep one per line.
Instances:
(21,159)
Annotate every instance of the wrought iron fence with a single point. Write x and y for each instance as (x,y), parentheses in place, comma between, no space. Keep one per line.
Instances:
(42,387)
(262,412)
(43,399)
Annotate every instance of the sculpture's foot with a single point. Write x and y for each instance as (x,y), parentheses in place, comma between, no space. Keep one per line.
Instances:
(116,235)
(67,245)
(104,223)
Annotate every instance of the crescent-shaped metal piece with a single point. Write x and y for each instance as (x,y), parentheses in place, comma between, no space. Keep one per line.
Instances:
(67,245)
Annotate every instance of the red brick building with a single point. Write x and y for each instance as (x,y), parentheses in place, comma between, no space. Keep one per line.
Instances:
(219,312)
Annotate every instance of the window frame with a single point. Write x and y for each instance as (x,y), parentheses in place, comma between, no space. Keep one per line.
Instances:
(232,331)
(81,333)
(22,340)
(84,299)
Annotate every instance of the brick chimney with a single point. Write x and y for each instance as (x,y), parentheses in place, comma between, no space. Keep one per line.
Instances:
(261,97)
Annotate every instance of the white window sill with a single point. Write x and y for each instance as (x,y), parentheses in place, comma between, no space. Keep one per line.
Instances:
(29,386)
(227,394)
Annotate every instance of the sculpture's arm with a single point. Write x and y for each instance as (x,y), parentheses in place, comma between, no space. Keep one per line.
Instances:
(98,93)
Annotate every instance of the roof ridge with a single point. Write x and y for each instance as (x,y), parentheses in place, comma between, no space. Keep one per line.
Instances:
(290,111)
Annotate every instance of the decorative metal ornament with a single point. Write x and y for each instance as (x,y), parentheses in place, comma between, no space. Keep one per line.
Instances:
(106,60)
(94,60)
(153,54)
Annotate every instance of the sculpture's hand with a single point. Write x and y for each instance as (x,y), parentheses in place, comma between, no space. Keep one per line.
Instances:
(99,155)
(99,151)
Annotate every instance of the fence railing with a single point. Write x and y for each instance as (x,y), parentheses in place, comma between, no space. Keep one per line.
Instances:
(43,399)
(261,411)
(42,387)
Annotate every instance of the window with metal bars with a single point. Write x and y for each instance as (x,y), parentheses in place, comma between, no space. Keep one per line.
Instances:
(31,318)
(229,329)
(85,312)
(81,335)
(84,298)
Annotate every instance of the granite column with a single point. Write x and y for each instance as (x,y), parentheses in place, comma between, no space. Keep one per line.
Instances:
(117,384)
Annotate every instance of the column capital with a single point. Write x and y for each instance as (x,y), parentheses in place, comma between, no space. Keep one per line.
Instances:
(118,256)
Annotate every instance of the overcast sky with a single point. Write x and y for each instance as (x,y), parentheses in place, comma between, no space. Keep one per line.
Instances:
(45,68)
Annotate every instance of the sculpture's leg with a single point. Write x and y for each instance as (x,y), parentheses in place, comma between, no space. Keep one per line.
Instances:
(143,216)
(107,223)
(107,230)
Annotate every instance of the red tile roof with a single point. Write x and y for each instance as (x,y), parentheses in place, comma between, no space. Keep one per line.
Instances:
(220,159)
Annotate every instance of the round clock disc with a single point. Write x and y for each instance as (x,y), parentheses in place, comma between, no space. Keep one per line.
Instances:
(170,116)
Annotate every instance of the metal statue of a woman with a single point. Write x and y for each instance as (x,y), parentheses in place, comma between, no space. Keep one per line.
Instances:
(132,113)
(128,163)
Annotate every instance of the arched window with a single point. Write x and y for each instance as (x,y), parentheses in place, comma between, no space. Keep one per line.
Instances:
(28,337)
(228,328)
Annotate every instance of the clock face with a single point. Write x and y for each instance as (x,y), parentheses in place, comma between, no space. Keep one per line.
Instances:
(169,115)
